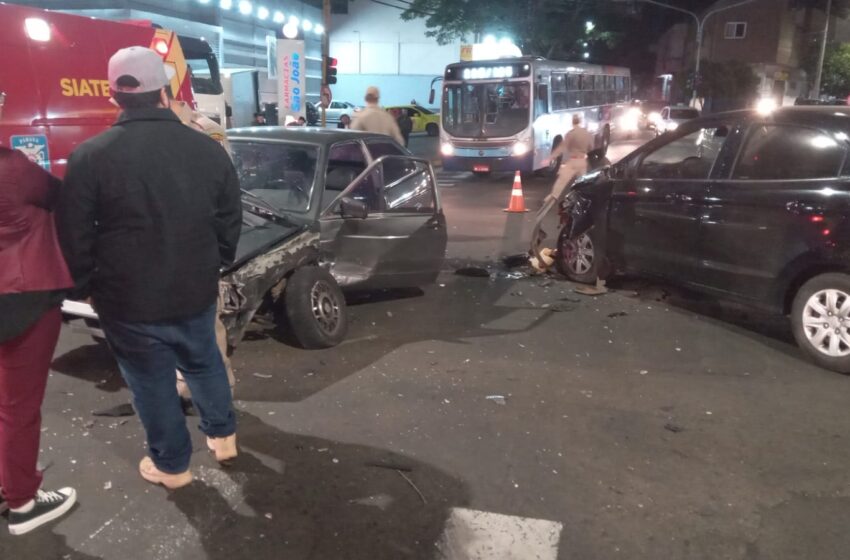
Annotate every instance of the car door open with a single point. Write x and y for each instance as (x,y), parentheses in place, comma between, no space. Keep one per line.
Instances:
(402,241)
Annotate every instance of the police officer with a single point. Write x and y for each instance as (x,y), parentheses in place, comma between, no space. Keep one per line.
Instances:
(574,149)
(374,119)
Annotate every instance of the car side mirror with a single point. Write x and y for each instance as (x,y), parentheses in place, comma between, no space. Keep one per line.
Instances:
(350,208)
(431,97)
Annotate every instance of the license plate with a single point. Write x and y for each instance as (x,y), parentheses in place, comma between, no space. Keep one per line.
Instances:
(481,168)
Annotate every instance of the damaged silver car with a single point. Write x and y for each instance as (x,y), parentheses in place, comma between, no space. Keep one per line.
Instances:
(324,211)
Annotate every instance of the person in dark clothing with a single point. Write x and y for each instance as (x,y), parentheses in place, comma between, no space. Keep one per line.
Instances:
(149,215)
(405,124)
(344,122)
(33,280)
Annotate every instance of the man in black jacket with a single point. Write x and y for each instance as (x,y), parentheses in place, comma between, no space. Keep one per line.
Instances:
(149,215)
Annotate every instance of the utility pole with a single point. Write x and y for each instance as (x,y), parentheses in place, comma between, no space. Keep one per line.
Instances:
(819,74)
(326,21)
(700,21)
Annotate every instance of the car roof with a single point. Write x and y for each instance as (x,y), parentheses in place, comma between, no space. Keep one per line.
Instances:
(308,135)
(836,117)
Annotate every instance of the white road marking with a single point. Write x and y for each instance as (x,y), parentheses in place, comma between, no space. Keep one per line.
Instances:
(483,535)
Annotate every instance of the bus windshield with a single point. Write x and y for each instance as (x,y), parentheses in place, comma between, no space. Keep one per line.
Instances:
(486,109)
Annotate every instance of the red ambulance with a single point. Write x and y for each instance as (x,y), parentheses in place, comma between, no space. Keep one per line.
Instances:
(53,88)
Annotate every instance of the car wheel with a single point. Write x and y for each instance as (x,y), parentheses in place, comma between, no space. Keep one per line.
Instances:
(432,129)
(820,319)
(577,258)
(315,308)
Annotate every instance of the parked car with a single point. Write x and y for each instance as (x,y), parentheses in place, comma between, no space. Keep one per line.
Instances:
(741,205)
(671,118)
(325,210)
(337,109)
(424,120)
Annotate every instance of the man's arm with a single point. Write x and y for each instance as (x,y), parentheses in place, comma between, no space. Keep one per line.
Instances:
(75,220)
(228,216)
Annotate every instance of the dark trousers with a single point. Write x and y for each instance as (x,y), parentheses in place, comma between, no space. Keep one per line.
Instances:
(149,354)
(24,363)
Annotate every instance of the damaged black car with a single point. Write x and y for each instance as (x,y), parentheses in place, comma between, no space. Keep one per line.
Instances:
(324,211)
(745,206)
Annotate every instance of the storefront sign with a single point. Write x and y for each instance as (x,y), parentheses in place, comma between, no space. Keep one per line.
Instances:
(291,79)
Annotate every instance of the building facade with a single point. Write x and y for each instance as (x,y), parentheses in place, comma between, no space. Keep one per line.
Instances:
(374,46)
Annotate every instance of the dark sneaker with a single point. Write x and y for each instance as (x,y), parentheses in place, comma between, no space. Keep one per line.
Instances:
(3,505)
(48,506)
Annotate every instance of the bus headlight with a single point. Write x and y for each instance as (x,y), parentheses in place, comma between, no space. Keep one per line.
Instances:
(520,148)
(447,149)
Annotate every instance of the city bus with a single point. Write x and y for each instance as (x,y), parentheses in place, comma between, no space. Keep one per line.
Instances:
(509,114)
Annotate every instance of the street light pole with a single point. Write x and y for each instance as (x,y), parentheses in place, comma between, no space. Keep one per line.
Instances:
(822,56)
(700,28)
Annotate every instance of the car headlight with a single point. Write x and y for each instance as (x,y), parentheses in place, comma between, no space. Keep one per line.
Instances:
(447,149)
(654,117)
(520,148)
(672,126)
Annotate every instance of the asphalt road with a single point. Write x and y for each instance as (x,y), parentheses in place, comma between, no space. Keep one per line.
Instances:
(493,418)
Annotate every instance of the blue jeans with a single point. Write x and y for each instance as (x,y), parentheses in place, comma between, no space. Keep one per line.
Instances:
(149,355)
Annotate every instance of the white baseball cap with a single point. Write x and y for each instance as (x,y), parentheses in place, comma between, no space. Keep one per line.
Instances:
(142,64)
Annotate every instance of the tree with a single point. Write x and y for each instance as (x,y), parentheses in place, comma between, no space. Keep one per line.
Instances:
(840,8)
(551,28)
(727,85)
(836,70)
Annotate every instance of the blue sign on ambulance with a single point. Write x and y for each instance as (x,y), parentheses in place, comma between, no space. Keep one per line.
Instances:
(35,148)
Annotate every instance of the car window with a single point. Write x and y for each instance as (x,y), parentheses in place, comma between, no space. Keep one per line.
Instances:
(367,190)
(346,161)
(282,175)
(664,114)
(687,157)
(412,113)
(411,188)
(336,105)
(384,148)
(788,152)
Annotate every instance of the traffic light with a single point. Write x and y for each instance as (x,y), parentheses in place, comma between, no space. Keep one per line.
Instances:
(330,70)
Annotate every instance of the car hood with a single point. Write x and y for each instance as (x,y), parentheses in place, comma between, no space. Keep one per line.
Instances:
(259,235)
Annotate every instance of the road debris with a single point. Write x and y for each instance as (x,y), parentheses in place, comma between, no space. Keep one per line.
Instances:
(262,375)
(116,411)
(617,314)
(498,399)
(514,261)
(598,290)
(410,482)
(673,428)
(107,485)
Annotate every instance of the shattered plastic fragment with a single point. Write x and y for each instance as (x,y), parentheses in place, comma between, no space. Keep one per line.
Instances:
(498,399)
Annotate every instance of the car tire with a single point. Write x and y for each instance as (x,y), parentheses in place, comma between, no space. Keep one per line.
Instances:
(315,308)
(583,268)
(432,129)
(820,341)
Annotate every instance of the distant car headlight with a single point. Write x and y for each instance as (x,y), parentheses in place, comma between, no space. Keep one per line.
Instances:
(654,117)
(447,149)
(629,122)
(520,148)
(672,126)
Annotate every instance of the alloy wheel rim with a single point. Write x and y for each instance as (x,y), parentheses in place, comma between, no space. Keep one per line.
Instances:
(325,307)
(579,254)
(826,322)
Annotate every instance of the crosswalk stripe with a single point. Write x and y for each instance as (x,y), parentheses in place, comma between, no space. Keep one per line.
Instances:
(482,535)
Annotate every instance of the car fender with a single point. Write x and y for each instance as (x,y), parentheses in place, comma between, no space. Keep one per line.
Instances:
(246,288)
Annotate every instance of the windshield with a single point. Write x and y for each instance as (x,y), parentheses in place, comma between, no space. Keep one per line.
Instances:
(205,78)
(282,175)
(423,110)
(683,113)
(486,110)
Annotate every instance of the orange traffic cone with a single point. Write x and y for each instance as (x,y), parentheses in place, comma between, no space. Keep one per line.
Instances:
(517,203)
